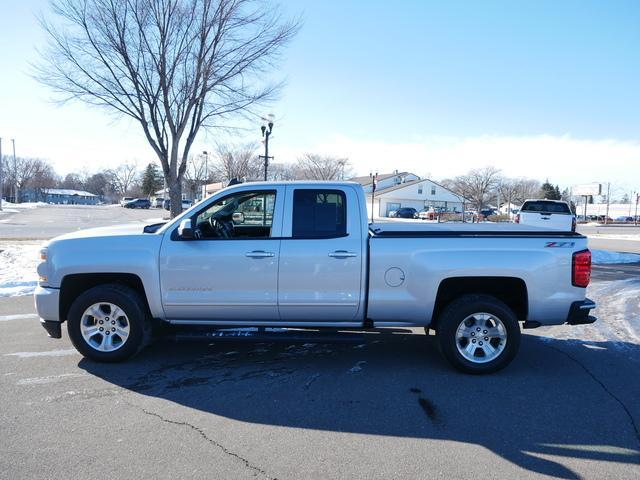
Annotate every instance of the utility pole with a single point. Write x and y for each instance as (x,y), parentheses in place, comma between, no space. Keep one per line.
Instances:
(15,172)
(635,215)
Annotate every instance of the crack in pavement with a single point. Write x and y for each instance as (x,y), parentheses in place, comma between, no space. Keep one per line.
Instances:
(202,433)
(604,387)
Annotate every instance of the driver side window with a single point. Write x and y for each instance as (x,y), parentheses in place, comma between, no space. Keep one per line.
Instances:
(246,214)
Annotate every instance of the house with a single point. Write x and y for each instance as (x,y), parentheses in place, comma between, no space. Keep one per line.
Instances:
(403,189)
(64,196)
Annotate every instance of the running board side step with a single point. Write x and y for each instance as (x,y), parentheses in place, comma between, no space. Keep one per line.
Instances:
(269,335)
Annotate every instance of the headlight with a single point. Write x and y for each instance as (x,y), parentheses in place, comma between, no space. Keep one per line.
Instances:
(42,266)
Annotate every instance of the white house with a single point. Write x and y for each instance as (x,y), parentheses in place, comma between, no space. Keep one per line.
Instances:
(403,189)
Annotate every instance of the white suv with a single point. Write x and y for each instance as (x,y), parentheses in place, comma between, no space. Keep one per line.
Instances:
(552,214)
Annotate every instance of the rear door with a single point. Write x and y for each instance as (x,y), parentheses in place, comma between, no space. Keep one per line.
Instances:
(321,256)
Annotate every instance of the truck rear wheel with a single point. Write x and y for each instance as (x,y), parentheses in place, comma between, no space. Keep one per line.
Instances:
(478,334)
(108,323)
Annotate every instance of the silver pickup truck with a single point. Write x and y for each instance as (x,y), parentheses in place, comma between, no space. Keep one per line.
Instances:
(302,255)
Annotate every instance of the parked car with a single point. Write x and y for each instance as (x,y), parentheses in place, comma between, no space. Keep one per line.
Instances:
(125,200)
(428,213)
(487,212)
(311,260)
(138,203)
(551,214)
(158,202)
(406,212)
(186,204)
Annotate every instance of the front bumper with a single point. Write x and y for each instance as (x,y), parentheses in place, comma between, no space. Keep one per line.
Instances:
(579,312)
(48,307)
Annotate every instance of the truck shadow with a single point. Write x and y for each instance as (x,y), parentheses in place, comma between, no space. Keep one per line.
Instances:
(550,405)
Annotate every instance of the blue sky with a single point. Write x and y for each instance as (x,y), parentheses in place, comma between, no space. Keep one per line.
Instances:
(433,87)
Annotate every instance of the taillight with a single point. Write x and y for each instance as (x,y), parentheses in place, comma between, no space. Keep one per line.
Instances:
(581,269)
(573,224)
(517,219)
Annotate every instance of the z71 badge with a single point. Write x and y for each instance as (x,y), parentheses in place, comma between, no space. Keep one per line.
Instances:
(559,244)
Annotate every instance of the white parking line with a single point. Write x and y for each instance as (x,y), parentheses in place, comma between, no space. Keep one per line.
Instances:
(50,353)
(22,316)
(49,379)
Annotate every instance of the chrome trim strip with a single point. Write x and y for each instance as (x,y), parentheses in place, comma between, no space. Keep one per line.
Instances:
(262,323)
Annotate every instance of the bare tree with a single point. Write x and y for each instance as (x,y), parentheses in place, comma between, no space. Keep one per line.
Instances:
(525,188)
(43,179)
(196,174)
(123,176)
(72,181)
(175,66)
(236,162)
(283,172)
(322,167)
(477,185)
(20,173)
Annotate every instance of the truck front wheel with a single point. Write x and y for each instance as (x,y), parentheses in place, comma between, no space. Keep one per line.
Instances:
(108,323)
(478,334)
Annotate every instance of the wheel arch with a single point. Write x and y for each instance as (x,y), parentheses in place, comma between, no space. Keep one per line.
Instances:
(74,285)
(510,290)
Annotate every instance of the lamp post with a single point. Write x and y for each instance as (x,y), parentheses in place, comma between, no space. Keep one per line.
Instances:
(374,184)
(15,172)
(206,173)
(266,133)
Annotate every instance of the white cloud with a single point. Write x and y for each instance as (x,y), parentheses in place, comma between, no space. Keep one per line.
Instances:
(562,159)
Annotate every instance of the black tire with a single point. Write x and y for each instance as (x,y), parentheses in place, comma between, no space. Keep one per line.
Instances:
(130,302)
(460,309)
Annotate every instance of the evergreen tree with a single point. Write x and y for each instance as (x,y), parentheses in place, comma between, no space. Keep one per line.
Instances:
(547,190)
(151,180)
(550,192)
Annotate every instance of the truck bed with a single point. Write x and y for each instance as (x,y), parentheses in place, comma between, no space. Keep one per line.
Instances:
(451,229)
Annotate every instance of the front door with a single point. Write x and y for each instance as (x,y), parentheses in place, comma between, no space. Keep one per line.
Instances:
(230,270)
(320,256)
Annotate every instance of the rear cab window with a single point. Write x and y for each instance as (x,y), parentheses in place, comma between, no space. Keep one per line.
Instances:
(319,213)
(545,206)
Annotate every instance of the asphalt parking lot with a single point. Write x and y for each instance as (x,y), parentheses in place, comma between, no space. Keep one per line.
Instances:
(386,406)
(52,220)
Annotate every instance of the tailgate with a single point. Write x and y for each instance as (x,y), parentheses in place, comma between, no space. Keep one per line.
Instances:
(554,221)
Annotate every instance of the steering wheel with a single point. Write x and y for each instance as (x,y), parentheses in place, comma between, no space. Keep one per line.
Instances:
(222,229)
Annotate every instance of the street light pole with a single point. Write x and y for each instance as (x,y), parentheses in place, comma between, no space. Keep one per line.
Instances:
(206,174)
(374,184)
(266,133)
(15,172)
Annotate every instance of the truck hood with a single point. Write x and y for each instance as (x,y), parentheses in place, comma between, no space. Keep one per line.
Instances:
(101,232)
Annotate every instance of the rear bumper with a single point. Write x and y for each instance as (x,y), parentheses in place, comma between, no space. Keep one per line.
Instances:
(579,312)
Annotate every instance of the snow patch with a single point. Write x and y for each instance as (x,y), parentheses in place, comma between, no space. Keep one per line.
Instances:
(18,274)
(606,256)
(618,313)
(21,206)
(357,368)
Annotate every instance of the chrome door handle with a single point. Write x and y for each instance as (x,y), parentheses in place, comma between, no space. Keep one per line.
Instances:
(259,254)
(342,254)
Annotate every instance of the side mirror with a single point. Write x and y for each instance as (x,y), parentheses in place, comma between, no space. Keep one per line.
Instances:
(185,230)
(238,218)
